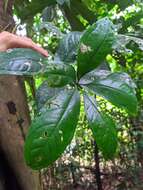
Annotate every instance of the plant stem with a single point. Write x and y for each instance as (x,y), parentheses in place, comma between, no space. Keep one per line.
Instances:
(97,167)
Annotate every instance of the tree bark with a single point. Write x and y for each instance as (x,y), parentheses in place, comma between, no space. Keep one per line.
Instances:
(14,115)
(137,126)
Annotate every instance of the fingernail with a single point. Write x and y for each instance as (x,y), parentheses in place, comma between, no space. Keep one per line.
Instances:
(46,53)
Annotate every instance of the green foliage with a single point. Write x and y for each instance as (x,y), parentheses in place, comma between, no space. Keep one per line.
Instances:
(45,94)
(49,13)
(29,9)
(20,61)
(28,62)
(124,40)
(50,27)
(67,50)
(59,74)
(61,2)
(116,88)
(53,128)
(51,132)
(102,126)
(95,44)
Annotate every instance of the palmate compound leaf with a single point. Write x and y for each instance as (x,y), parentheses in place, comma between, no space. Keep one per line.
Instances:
(95,44)
(118,88)
(22,61)
(51,132)
(102,126)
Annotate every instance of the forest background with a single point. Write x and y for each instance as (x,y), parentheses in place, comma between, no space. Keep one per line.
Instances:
(82,166)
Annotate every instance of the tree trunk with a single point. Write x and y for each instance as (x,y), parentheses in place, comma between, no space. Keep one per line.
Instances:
(137,126)
(14,116)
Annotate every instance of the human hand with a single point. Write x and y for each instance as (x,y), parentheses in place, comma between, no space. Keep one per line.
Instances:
(9,40)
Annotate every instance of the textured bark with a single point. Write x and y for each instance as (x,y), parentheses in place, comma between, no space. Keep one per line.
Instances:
(137,126)
(6,20)
(14,116)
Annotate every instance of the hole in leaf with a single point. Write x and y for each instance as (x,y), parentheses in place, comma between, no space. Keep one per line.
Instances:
(45,134)
(38,159)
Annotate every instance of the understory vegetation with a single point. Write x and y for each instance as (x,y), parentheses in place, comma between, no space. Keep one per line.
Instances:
(96,57)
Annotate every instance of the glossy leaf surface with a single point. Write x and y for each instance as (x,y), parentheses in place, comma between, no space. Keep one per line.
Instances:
(45,94)
(118,88)
(49,13)
(102,126)
(124,40)
(95,44)
(20,61)
(28,62)
(59,74)
(68,47)
(94,75)
(51,132)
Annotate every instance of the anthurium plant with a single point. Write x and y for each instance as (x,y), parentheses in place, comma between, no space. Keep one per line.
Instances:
(74,75)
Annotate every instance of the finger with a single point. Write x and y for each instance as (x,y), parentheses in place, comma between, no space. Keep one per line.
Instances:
(38,49)
(24,42)
(28,39)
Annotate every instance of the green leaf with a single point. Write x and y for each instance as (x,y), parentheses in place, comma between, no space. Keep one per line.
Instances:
(61,2)
(27,10)
(45,94)
(118,88)
(50,27)
(95,44)
(133,19)
(121,3)
(49,13)
(28,62)
(67,50)
(102,126)
(50,133)
(94,75)
(59,75)
(20,61)
(124,40)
